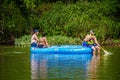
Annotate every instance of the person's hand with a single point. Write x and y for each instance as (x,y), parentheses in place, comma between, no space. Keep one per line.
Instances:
(48,46)
(98,45)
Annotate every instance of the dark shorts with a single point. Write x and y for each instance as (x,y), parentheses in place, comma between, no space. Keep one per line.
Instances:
(90,45)
(84,44)
(33,44)
(36,45)
(40,46)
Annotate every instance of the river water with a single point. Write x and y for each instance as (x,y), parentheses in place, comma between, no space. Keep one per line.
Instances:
(17,63)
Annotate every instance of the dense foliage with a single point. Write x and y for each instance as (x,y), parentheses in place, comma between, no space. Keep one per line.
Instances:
(72,18)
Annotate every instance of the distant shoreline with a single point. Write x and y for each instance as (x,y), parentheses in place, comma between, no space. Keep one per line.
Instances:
(56,40)
(28,44)
(111,44)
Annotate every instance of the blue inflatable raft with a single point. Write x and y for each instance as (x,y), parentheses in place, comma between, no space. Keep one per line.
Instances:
(62,49)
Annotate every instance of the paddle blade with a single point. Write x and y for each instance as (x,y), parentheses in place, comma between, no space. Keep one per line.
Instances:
(106,52)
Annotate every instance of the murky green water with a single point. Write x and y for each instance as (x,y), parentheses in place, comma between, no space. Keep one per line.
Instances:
(16,63)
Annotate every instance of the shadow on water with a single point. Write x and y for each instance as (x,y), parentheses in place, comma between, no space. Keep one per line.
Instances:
(59,66)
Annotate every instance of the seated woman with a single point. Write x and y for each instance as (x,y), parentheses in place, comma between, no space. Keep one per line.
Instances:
(43,41)
(34,39)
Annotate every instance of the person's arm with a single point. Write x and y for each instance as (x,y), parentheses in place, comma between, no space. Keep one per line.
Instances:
(96,41)
(86,38)
(36,38)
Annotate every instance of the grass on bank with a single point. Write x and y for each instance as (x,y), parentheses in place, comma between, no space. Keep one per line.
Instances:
(52,40)
(62,40)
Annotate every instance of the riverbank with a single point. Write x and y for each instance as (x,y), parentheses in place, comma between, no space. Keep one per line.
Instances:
(111,42)
(52,40)
(63,40)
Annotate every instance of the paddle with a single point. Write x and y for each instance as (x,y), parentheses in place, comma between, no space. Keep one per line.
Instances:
(105,51)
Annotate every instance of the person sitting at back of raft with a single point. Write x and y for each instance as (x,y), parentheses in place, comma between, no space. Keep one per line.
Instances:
(43,41)
(34,39)
(91,41)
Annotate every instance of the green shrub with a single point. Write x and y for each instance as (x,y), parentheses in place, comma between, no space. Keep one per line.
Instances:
(52,40)
(60,40)
(77,19)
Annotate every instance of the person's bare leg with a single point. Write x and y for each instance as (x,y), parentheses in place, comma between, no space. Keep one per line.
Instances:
(98,49)
(94,51)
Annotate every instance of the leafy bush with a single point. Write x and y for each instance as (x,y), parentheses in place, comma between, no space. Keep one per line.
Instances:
(60,40)
(23,41)
(53,40)
(77,19)
(71,18)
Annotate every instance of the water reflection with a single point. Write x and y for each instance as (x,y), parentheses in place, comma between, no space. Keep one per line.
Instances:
(59,66)
(92,69)
(38,67)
